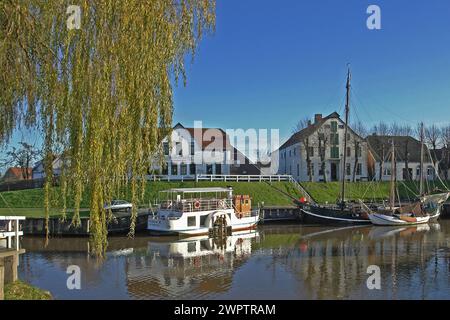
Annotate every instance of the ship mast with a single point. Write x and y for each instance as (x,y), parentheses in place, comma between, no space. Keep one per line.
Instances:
(347,111)
(422,138)
(393,174)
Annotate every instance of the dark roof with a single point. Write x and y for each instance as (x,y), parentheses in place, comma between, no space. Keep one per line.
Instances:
(302,134)
(204,142)
(403,145)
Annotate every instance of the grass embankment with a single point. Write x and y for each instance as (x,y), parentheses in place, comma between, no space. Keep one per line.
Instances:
(367,191)
(30,203)
(19,290)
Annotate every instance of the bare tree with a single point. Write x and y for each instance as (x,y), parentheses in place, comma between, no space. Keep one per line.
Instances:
(432,138)
(307,144)
(360,129)
(21,157)
(445,160)
(323,141)
(301,124)
(381,129)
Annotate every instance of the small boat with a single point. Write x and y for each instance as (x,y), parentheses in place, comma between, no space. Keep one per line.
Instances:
(397,220)
(426,208)
(202,211)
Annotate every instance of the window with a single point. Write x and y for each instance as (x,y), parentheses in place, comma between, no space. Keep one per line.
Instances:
(165,169)
(418,171)
(359,169)
(209,169)
(192,168)
(179,148)
(334,138)
(359,152)
(192,221)
(174,170)
(166,148)
(192,147)
(334,152)
(192,246)
(430,171)
(311,151)
(183,169)
(290,169)
(348,170)
(295,151)
(334,125)
(298,170)
(349,152)
(387,171)
(218,168)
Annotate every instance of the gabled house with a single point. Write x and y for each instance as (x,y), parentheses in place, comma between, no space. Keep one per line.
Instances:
(316,152)
(189,152)
(407,159)
(17,174)
(39,171)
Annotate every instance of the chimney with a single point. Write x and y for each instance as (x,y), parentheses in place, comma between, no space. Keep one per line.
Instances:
(309,123)
(317,118)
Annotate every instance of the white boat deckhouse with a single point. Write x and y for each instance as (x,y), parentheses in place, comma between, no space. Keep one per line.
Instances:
(197,211)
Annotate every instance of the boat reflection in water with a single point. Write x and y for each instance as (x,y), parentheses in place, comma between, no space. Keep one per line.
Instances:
(196,266)
(274,262)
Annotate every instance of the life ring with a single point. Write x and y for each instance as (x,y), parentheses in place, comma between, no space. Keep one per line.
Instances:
(197,204)
(221,204)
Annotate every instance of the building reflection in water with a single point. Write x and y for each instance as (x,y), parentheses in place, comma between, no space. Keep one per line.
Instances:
(276,262)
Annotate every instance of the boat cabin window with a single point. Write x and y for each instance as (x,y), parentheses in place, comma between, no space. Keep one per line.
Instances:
(192,221)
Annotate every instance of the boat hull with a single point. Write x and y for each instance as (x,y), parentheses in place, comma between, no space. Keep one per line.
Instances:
(242,224)
(386,220)
(313,215)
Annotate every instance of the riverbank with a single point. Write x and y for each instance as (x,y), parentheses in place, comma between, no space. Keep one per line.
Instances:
(29,202)
(20,290)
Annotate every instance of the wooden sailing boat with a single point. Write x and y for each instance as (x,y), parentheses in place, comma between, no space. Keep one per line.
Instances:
(419,212)
(340,214)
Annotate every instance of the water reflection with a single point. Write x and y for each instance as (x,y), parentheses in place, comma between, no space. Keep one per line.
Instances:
(275,262)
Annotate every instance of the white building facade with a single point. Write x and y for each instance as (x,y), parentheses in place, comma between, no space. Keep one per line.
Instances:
(188,152)
(316,152)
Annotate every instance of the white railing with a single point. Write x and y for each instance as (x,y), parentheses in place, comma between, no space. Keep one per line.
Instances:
(10,231)
(193,205)
(222,177)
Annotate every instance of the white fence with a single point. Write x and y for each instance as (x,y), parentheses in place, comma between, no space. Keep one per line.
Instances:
(222,177)
(234,178)
(10,232)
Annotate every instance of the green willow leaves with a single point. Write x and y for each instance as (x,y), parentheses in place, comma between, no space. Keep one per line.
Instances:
(101,95)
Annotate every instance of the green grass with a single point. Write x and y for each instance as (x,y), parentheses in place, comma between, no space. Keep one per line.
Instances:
(367,191)
(30,202)
(19,290)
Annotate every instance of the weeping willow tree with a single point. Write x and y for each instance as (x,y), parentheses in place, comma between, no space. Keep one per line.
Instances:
(101,95)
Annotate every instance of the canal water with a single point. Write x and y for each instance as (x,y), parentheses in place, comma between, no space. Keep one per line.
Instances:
(274,262)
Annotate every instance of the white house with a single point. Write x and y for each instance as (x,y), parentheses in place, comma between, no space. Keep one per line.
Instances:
(316,152)
(200,151)
(39,172)
(407,158)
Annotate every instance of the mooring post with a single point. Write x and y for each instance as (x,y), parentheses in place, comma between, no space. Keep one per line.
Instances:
(2,280)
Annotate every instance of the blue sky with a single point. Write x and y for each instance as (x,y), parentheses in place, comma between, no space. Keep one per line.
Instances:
(271,63)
